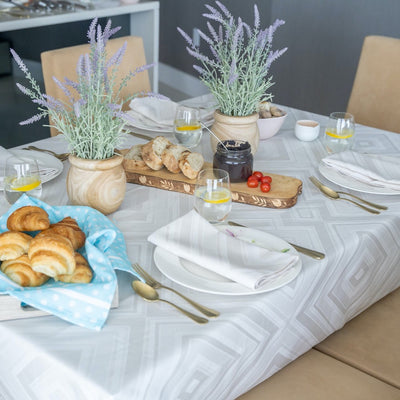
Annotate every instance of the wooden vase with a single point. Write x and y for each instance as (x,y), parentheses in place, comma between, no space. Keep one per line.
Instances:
(100,184)
(240,128)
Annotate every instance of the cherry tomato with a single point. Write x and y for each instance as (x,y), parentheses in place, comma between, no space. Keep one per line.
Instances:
(252,181)
(265,187)
(266,179)
(258,175)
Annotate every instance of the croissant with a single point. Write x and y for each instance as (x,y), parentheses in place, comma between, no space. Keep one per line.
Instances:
(82,274)
(69,228)
(51,255)
(20,271)
(13,244)
(28,218)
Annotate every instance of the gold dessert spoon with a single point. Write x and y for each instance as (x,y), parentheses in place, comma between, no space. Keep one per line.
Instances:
(150,294)
(209,312)
(335,196)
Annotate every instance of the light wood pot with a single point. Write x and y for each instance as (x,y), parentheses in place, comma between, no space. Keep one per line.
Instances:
(100,184)
(240,128)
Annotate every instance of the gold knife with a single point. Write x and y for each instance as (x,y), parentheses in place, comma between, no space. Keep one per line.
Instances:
(308,252)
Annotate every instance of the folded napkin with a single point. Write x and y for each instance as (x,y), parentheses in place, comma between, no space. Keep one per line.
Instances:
(45,172)
(86,305)
(193,238)
(376,170)
(160,113)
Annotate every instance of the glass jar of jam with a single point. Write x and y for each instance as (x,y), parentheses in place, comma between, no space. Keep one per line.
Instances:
(235,158)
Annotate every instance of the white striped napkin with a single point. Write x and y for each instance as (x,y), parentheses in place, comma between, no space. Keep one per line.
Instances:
(377,170)
(203,244)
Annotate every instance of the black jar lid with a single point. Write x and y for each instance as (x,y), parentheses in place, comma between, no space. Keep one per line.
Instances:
(233,147)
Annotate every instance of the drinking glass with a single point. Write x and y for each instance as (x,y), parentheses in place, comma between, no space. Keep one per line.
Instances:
(187,127)
(339,132)
(212,195)
(21,176)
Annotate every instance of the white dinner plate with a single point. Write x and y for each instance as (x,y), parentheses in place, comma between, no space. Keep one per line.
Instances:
(198,278)
(44,161)
(350,183)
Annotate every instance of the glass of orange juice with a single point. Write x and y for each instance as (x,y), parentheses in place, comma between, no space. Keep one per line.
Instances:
(21,176)
(187,127)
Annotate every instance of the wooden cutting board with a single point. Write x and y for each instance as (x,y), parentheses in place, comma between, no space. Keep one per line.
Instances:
(283,193)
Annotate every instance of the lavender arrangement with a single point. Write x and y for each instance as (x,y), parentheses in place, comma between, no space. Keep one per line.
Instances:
(236,72)
(93,124)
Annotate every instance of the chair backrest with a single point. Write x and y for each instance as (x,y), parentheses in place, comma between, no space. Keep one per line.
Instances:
(62,63)
(375,96)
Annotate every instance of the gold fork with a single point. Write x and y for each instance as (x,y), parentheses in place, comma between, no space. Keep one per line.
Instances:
(60,156)
(157,285)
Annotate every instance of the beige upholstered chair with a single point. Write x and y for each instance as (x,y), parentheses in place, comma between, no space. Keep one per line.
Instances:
(61,63)
(375,97)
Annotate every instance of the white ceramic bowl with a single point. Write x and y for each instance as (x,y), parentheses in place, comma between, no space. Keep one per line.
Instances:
(269,127)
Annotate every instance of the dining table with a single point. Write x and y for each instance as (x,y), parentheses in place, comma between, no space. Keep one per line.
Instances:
(149,350)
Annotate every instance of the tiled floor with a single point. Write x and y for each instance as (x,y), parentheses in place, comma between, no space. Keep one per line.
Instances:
(16,107)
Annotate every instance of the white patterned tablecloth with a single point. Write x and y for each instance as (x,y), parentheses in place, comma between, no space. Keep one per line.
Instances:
(150,351)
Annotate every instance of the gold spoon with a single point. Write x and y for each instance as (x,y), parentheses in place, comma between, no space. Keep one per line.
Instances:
(335,196)
(150,294)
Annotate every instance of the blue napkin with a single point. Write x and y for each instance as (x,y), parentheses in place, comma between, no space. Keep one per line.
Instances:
(86,305)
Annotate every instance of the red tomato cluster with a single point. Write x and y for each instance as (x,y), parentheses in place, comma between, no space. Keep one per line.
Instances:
(258,177)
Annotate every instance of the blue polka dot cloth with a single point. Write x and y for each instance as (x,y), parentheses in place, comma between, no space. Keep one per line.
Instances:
(86,305)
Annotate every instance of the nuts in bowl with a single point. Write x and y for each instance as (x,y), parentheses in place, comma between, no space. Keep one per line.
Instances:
(270,121)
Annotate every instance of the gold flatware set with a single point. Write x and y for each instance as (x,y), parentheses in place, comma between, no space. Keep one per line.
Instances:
(335,195)
(148,291)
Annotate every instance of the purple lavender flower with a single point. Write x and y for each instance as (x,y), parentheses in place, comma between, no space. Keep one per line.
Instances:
(31,120)
(237,36)
(223,9)
(212,32)
(200,70)
(185,36)
(18,60)
(91,34)
(256,17)
(205,37)
(232,73)
(117,56)
(274,55)
(198,55)
(63,88)
(24,90)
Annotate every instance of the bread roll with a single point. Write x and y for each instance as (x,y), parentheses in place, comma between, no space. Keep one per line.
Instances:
(191,164)
(28,218)
(52,255)
(171,155)
(13,245)
(69,228)
(151,152)
(133,158)
(21,272)
(82,274)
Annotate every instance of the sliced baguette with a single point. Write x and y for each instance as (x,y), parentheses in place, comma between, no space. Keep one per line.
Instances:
(171,155)
(191,164)
(133,158)
(152,151)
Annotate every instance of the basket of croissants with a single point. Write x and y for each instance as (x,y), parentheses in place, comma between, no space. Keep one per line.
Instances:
(33,250)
